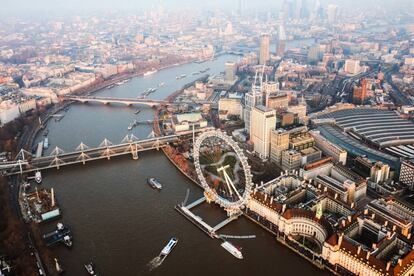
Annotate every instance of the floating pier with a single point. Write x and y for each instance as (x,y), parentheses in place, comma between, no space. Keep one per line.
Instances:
(198,221)
(56,236)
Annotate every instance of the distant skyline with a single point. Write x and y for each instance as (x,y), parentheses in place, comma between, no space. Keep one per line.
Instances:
(50,7)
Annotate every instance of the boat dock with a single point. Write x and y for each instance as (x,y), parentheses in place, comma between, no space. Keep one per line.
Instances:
(195,203)
(56,236)
(224,223)
(198,221)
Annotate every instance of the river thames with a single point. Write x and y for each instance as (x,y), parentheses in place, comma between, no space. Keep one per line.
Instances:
(121,224)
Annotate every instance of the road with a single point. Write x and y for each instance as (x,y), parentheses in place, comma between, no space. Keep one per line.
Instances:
(398,97)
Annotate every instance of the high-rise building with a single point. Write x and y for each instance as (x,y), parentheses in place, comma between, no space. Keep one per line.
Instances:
(352,66)
(407,173)
(315,54)
(279,141)
(298,9)
(281,41)
(263,121)
(251,99)
(332,13)
(230,73)
(315,13)
(360,93)
(380,172)
(228,30)
(264,49)
(286,10)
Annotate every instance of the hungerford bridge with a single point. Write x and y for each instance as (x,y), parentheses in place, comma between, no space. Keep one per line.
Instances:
(25,162)
(129,102)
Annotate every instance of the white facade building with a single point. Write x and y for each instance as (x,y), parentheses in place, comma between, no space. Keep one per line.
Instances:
(263,121)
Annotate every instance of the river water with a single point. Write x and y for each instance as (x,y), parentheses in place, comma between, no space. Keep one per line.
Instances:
(121,224)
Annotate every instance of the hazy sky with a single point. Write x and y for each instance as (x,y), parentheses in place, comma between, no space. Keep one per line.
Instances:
(36,7)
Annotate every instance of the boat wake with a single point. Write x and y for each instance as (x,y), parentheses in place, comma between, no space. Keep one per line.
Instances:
(154,263)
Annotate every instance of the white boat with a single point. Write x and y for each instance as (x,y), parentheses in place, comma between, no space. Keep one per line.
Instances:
(90,268)
(232,249)
(67,240)
(149,73)
(130,127)
(38,177)
(169,247)
(181,77)
(161,84)
(58,267)
(154,183)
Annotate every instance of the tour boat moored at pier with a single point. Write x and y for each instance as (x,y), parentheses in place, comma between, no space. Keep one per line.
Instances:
(232,249)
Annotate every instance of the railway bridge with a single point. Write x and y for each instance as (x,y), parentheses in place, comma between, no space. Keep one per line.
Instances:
(109,100)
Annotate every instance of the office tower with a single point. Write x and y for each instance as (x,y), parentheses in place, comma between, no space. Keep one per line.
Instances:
(314,54)
(298,9)
(228,30)
(230,73)
(279,142)
(380,172)
(286,10)
(251,99)
(315,14)
(407,174)
(352,66)
(264,49)
(332,13)
(263,121)
(360,93)
(305,9)
(281,41)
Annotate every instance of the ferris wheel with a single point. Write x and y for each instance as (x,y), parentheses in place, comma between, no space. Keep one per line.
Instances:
(227,180)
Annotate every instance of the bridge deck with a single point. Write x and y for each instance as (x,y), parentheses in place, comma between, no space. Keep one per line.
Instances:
(224,223)
(195,203)
(60,159)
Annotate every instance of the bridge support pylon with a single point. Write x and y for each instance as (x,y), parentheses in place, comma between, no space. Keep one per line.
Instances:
(134,151)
